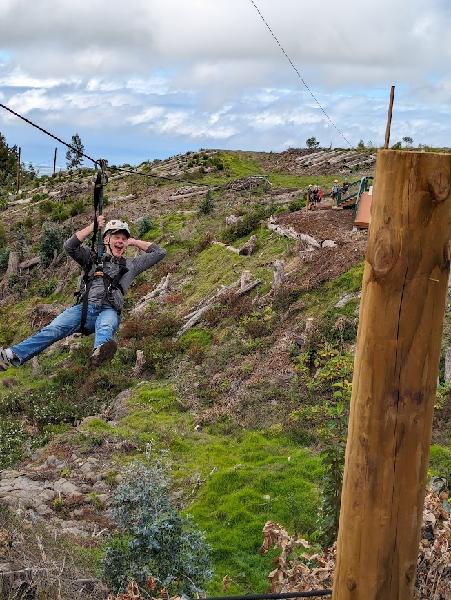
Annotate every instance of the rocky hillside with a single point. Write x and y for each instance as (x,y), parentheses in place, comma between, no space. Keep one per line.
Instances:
(233,370)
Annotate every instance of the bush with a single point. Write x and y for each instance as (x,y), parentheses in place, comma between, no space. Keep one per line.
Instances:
(51,243)
(297,204)
(77,208)
(46,207)
(47,287)
(2,236)
(4,258)
(207,205)
(144,225)
(12,437)
(247,225)
(158,543)
(59,213)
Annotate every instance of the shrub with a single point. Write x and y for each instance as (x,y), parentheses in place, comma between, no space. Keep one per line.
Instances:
(46,207)
(2,236)
(4,258)
(47,287)
(247,225)
(59,213)
(297,204)
(207,205)
(144,225)
(51,243)
(12,437)
(77,208)
(158,545)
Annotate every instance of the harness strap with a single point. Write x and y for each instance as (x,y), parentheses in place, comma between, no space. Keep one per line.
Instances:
(110,284)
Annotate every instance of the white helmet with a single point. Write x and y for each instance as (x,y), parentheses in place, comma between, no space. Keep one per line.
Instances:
(115,226)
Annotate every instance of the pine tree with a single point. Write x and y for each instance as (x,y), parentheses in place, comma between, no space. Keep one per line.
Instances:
(74,156)
(8,162)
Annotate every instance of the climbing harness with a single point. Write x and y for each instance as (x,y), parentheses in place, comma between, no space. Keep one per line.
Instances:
(95,267)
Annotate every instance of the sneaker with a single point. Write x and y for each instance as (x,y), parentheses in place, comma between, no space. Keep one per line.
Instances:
(5,361)
(103,353)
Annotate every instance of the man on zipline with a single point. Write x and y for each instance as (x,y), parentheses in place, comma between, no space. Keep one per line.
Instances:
(102,295)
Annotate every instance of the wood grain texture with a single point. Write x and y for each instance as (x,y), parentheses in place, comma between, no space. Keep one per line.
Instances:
(395,375)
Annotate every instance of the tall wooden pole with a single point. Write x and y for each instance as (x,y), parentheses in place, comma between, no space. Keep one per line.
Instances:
(18,171)
(54,161)
(395,376)
(389,116)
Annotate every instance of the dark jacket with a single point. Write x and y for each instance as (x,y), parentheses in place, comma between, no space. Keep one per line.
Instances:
(111,267)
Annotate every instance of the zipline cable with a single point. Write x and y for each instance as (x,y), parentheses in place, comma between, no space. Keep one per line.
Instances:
(99,161)
(121,169)
(299,74)
(49,134)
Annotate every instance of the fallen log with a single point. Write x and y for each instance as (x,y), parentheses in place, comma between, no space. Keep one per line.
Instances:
(29,263)
(161,290)
(291,233)
(243,285)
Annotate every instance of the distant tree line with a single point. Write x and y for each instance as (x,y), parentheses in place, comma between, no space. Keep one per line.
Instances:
(8,166)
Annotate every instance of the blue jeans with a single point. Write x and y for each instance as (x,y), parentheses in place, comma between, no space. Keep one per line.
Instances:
(103,320)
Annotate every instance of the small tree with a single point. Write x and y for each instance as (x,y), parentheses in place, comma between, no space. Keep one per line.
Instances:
(312,142)
(160,548)
(361,145)
(51,243)
(407,140)
(207,205)
(74,158)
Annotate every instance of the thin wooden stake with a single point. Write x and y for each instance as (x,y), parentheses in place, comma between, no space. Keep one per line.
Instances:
(54,161)
(395,377)
(18,170)
(389,116)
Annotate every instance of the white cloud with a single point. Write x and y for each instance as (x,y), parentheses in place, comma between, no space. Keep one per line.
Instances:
(209,71)
(147,116)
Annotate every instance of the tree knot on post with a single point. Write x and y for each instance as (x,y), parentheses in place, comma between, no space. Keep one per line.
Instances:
(439,186)
(383,252)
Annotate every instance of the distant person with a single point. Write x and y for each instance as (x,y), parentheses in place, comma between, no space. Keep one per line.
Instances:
(101,298)
(336,193)
(345,187)
(315,196)
(310,197)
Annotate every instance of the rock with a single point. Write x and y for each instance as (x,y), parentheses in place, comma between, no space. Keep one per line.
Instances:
(232,220)
(62,486)
(347,298)
(304,237)
(10,474)
(448,364)
(249,246)
(53,462)
(328,244)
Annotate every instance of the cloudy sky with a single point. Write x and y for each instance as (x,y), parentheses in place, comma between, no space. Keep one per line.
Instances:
(146,79)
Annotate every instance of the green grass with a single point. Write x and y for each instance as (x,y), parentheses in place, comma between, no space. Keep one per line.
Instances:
(301,181)
(324,297)
(248,479)
(257,479)
(236,165)
(216,266)
(440,461)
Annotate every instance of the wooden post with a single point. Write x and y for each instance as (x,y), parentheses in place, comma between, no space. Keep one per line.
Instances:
(389,116)
(395,375)
(54,161)
(18,170)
